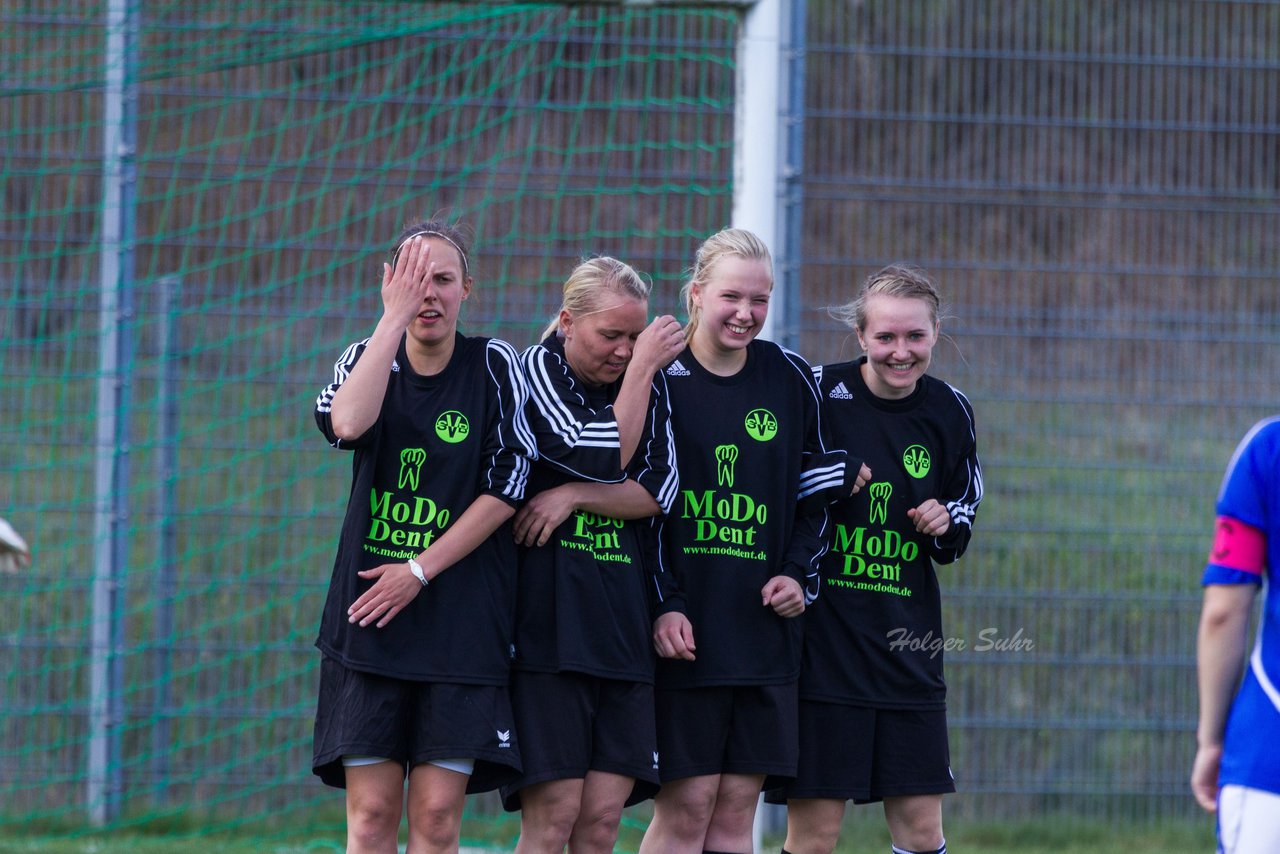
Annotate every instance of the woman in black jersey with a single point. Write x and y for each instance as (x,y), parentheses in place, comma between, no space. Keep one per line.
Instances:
(871,673)
(419,617)
(741,547)
(582,680)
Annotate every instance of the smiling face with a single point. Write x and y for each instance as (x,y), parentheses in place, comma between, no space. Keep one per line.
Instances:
(732,304)
(437,319)
(598,344)
(898,336)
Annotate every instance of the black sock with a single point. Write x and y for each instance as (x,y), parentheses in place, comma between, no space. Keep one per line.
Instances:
(940,850)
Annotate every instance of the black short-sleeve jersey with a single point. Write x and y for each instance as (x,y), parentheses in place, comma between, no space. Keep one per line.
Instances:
(879,589)
(584,596)
(755,475)
(438,443)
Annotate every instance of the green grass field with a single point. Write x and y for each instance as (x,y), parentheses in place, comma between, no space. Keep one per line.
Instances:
(863,834)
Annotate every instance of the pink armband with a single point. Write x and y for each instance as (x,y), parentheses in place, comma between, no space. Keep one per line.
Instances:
(1238,546)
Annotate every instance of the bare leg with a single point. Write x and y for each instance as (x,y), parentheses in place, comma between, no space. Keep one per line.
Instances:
(547,814)
(375,800)
(603,797)
(915,821)
(735,811)
(436,798)
(813,825)
(681,813)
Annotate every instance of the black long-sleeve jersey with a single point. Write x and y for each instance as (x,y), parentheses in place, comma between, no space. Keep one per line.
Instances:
(439,443)
(583,601)
(756,474)
(874,638)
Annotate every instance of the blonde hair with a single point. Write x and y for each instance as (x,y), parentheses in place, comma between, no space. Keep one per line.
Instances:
(895,280)
(726,243)
(590,281)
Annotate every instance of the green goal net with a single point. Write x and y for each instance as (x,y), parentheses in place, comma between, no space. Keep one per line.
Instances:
(223,254)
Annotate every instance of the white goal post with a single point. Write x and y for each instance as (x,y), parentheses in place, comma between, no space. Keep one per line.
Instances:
(766,155)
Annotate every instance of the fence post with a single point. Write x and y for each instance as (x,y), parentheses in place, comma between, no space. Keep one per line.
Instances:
(165,472)
(111,511)
(790,247)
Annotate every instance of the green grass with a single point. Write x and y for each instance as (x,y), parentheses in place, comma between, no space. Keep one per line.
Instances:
(867,835)
(128,844)
(864,833)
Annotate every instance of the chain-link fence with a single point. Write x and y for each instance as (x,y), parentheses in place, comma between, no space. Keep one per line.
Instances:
(1096,186)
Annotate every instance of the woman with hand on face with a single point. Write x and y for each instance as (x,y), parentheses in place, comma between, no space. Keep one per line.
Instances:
(740,548)
(888,701)
(582,684)
(419,617)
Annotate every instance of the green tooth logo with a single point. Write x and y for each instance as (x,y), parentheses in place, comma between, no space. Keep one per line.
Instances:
(761,425)
(726,456)
(411,460)
(452,426)
(880,493)
(915,460)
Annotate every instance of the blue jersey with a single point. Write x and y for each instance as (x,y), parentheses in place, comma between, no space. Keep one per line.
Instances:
(1250,494)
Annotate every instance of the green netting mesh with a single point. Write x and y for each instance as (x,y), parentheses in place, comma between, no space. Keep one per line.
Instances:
(279,148)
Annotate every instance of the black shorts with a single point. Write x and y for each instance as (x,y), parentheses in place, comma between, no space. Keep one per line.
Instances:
(727,729)
(572,723)
(364,714)
(865,755)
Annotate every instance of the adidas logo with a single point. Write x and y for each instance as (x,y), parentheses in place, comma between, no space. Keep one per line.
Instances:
(675,369)
(504,738)
(840,392)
